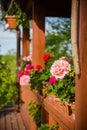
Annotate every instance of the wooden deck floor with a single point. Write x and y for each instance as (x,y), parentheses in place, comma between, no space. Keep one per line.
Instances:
(10,119)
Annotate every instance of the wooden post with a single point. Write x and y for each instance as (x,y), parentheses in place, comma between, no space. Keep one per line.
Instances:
(81,83)
(44,116)
(74,36)
(17,101)
(18,47)
(38,34)
(25,42)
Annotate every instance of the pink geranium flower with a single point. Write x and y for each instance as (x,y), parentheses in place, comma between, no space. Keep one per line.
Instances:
(27,58)
(47,84)
(20,74)
(52,80)
(24,80)
(29,67)
(60,68)
(66,59)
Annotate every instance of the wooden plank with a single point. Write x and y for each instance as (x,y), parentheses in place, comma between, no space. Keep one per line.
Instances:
(14,122)
(25,118)
(11,120)
(28,120)
(51,121)
(8,122)
(5,121)
(20,121)
(2,121)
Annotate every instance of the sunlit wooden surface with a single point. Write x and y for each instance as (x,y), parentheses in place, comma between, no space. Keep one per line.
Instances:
(10,119)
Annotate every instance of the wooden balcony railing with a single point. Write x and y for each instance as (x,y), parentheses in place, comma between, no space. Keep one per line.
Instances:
(52,111)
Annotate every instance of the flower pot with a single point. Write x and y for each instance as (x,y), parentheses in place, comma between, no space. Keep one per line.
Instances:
(11,21)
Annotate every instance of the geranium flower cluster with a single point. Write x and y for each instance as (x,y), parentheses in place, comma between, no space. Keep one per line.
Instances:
(57,77)
(24,75)
(61,80)
(58,70)
(27,58)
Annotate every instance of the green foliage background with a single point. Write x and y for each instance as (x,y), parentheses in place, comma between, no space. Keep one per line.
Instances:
(58,36)
(7,80)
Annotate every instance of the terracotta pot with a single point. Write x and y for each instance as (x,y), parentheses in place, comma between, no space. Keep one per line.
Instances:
(11,21)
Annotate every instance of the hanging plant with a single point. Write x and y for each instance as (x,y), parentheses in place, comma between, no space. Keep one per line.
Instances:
(14,15)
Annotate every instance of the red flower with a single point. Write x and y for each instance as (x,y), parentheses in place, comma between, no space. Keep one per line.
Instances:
(26,73)
(47,56)
(38,67)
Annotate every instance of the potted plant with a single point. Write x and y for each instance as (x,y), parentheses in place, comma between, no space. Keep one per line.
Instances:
(15,17)
(11,22)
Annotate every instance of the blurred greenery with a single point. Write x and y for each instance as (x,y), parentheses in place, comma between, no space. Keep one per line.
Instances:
(58,36)
(7,80)
(47,127)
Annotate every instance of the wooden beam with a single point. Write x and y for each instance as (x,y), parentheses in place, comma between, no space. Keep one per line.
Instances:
(81,83)
(25,42)
(38,35)
(44,116)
